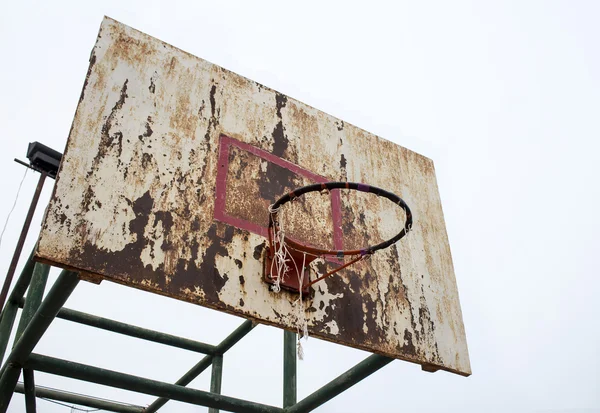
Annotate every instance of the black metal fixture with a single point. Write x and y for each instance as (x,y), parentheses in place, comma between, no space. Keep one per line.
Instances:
(43,159)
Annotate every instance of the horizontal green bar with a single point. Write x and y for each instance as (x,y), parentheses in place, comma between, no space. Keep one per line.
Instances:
(134,331)
(142,385)
(81,400)
(343,382)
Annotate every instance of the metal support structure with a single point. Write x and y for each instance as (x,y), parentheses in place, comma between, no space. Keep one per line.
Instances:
(216,378)
(6,325)
(35,293)
(203,364)
(343,382)
(52,307)
(73,398)
(24,279)
(29,389)
(58,295)
(21,241)
(289,369)
(9,312)
(142,385)
(10,375)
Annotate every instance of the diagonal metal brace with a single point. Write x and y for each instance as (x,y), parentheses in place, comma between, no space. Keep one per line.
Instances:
(58,295)
(341,383)
(203,364)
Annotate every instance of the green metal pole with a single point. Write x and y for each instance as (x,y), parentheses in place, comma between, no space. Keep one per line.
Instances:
(343,382)
(95,403)
(203,364)
(10,375)
(10,309)
(142,385)
(289,369)
(134,331)
(186,379)
(58,295)
(29,387)
(216,378)
(6,325)
(24,278)
(35,294)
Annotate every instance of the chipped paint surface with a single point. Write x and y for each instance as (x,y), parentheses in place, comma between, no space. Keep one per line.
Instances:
(149,196)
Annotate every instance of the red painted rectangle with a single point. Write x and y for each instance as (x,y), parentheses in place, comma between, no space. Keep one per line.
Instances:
(220,213)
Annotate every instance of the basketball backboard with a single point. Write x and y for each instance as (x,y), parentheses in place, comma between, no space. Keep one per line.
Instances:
(165,184)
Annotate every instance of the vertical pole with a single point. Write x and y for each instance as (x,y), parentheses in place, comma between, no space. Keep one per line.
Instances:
(289,369)
(34,296)
(216,378)
(29,384)
(19,248)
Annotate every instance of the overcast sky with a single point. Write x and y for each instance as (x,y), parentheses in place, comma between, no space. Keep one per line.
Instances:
(504,96)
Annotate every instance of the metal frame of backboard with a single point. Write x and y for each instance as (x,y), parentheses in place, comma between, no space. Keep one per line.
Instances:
(37,315)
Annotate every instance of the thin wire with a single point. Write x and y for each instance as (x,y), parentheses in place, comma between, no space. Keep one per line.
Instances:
(72,407)
(13,207)
(80,394)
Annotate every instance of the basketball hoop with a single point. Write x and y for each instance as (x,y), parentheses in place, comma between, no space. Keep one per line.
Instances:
(283,250)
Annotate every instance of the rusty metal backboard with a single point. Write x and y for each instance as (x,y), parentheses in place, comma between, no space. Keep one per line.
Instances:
(169,169)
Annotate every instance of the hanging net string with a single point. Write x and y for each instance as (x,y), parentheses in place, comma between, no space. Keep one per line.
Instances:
(280,247)
(281,258)
(301,321)
(281,253)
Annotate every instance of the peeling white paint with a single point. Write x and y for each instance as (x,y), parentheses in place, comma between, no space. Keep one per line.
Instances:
(153,254)
(145,142)
(333,327)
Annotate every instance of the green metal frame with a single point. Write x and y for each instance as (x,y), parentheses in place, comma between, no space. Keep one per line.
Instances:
(38,314)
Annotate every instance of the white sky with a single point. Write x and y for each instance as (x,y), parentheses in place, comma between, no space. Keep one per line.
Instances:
(504,96)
